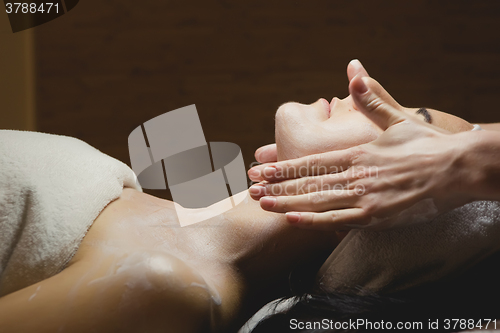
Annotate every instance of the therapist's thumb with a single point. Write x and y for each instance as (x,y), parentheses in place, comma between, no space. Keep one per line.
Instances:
(371,99)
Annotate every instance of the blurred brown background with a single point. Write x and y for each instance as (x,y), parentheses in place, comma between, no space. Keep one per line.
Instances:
(17,78)
(108,66)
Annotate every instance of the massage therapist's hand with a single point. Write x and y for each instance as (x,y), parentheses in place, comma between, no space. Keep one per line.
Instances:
(409,162)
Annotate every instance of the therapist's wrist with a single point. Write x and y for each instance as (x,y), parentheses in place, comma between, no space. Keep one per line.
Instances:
(451,169)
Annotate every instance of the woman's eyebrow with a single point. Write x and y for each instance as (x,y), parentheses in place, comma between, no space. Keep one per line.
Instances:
(426,114)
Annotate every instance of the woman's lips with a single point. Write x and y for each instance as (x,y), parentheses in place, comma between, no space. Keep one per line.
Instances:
(327,106)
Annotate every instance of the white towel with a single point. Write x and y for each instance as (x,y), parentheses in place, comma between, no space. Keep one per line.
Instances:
(52,188)
(395,260)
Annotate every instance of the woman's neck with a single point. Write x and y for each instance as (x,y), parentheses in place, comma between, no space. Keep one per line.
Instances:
(245,255)
(256,248)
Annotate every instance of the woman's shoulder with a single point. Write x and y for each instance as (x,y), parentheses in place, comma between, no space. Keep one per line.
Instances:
(125,250)
(134,233)
(120,290)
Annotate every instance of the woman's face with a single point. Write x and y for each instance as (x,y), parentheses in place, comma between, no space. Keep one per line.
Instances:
(309,129)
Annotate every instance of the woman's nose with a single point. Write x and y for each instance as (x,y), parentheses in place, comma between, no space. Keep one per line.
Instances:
(349,102)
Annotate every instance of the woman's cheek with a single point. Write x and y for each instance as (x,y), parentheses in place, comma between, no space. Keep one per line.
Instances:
(293,137)
(352,133)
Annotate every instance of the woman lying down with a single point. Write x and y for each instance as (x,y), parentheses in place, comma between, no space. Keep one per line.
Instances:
(82,249)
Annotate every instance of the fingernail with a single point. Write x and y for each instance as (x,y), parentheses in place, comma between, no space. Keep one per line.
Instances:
(257,154)
(269,171)
(361,87)
(257,190)
(356,63)
(269,202)
(359,67)
(253,173)
(293,217)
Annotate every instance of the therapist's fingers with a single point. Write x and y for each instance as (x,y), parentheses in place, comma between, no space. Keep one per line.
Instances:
(334,181)
(375,103)
(354,68)
(318,164)
(352,218)
(267,154)
(311,202)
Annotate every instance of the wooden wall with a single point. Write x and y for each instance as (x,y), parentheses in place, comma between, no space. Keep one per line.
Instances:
(17,78)
(109,65)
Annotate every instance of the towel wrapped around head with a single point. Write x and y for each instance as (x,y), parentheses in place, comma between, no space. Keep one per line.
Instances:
(52,188)
(398,259)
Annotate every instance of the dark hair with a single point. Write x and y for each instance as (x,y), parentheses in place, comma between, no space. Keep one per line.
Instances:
(472,295)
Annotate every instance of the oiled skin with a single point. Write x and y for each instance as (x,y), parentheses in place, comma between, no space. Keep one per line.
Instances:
(137,270)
